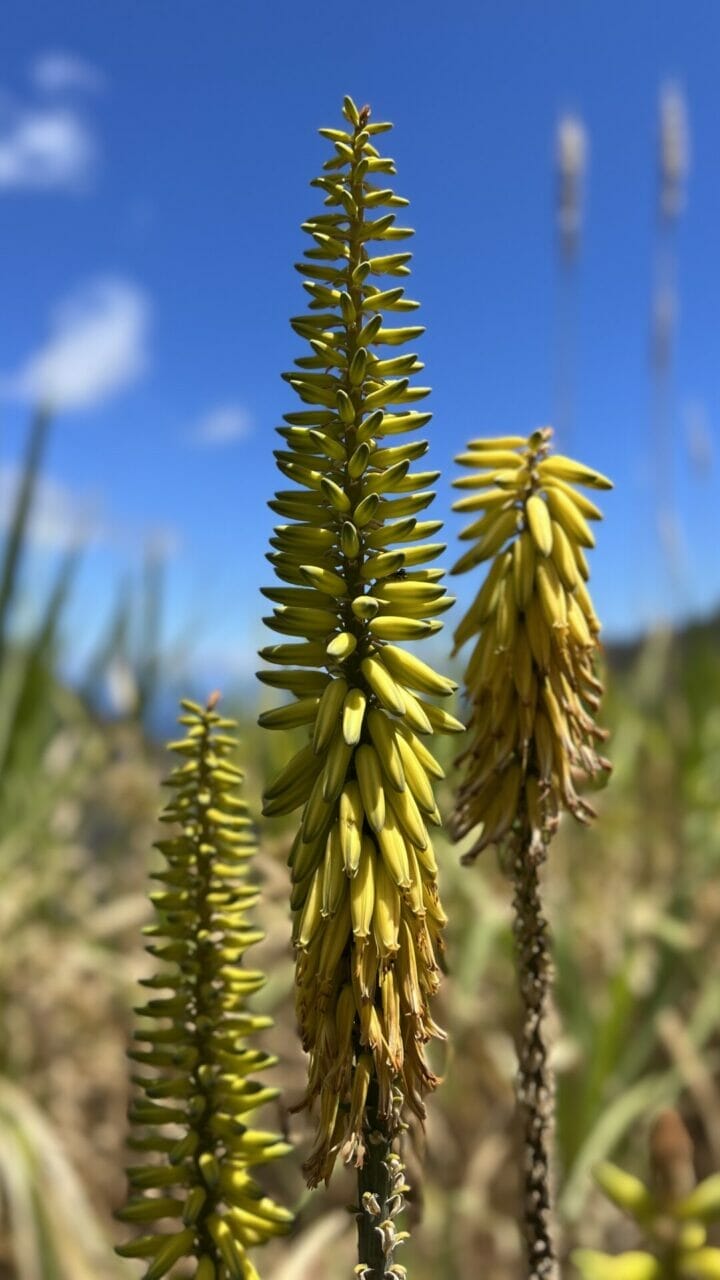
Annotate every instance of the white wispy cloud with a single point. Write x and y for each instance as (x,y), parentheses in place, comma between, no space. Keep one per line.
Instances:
(97,347)
(57,70)
(45,148)
(60,519)
(220,426)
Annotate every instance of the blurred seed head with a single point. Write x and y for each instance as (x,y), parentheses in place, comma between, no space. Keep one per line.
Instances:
(571,153)
(674,151)
(671,1156)
(699,440)
(664,323)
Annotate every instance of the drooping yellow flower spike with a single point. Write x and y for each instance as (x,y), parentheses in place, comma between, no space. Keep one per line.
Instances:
(194,1190)
(531,675)
(366,909)
(534,692)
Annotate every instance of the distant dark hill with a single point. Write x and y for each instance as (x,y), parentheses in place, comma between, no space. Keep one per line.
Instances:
(696,639)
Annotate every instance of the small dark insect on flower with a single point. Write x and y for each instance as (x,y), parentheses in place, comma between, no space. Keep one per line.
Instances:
(364,114)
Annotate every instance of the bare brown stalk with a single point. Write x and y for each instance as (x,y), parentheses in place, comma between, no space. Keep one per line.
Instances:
(535,1082)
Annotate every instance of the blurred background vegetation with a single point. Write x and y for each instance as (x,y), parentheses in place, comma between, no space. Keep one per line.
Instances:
(635,905)
(634,902)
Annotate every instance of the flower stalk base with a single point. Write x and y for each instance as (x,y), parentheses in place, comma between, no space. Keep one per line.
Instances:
(535,1083)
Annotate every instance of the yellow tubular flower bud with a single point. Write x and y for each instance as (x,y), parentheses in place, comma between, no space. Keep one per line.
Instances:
(351,556)
(197,1072)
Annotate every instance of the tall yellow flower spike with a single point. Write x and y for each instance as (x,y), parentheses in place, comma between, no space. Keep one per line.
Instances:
(531,675)
(194,1096)
(367,917)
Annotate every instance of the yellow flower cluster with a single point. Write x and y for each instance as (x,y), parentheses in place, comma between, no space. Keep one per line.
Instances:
(354,556)
(194,1092)
(531,675)
(674,1225)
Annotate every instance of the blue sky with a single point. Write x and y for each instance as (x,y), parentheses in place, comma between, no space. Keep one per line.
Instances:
(154,170)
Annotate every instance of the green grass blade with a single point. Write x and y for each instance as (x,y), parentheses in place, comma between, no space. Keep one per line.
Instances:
(17,532)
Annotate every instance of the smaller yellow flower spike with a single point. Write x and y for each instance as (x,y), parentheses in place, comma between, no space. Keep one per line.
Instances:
(634,1265)
(671,1212)
(194,1094)
(531,674)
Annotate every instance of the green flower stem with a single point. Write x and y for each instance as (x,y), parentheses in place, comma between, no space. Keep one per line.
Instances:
(204,1017)
(374,1190)
(381,1192)
(374,1177)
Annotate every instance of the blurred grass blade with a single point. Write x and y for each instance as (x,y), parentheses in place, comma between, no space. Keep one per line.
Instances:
(28,706)
(149,659)
(55,1234)
(19,1205)
(628,1106)
(613,1123)
(18,525)
(112,646)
